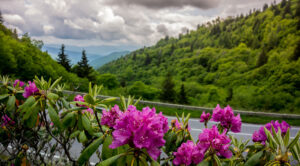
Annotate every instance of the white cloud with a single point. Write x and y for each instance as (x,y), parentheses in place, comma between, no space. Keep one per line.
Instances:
(115,22)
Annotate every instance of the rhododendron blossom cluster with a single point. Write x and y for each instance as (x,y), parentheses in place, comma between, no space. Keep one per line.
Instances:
(260,135)
(6,121)
(30,90)
(227,119)
(80,98)
(212,139)
(141,129)
(21,83)
(109,117)
(187,154)
(204,117)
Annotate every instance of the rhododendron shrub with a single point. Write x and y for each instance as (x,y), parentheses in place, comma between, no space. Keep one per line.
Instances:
(141,129)
(37,118)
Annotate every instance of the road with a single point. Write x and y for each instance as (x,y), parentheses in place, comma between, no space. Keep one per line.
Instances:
(196,129)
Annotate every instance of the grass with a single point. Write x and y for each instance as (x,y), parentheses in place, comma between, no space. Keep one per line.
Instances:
(196,114)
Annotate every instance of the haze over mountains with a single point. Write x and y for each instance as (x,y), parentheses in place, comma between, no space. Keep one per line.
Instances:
(97,55)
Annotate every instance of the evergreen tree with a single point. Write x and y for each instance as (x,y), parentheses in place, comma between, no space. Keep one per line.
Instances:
(84,69)
(182,95)
(262,58)
(63,58)
(134,56)
(265,7)
(287,9)
(1,18)
(168,93)
(283,3)
(296,53)
(147,60)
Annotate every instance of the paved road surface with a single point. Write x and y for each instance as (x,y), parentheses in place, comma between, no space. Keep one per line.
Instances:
(196,129)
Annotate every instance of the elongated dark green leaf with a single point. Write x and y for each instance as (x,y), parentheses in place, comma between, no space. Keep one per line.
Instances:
(28,103)
(29,110)
(87,124)
(3,96)
(11,103)
(154,163)
(216,158)
(287,137)
(54,117)
(275,135)
(106,151)
(255,159)
(65,103)
(55,83)
(69,120)
(89,99)
(89,151)
(74,134)
(295,154)
(111,160)
(295,140)
(32,120)
(82,137)
(110,99)
(52,96)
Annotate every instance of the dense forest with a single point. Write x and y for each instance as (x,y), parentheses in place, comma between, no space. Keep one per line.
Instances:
(248,61)
(22,58)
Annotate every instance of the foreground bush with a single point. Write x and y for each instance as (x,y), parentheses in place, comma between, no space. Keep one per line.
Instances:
(37,124)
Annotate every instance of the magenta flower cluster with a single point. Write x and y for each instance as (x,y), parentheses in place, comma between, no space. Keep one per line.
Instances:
(227,119)
(21,83)
(80,98)
(109,117)
(187,154)
(6,121)
(260,135)
(140,129)
(30,90)
(204,117)
(209,139)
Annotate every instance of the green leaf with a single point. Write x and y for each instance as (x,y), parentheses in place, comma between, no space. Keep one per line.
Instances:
(111,160)
(69,120)
(275,135)
(270,137)
(294,141)
(55,83)
(52,96)
(255,159)
(287,137)
(87,124)
(107,100)
(295,154)
(216,158)
(89,151)
(11,103)
(32,119)
(106,151)
(82,137)
(29,110)
(54,117)
(3,96)
(74,134)
(28,103)
(65,103)
(89,99)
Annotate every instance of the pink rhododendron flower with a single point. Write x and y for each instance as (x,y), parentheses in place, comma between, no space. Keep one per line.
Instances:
(30,90)
(211,138)
(227,119)
(21,83)
(89,110)
(79,98)
(141,129)
(6,121)
(187,154)
(204,117)
(109,117)
(260,135)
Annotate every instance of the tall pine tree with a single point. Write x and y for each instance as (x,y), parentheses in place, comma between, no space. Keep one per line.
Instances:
(168,93)
(83,69)
(63,58)
(182,95)
(1,18)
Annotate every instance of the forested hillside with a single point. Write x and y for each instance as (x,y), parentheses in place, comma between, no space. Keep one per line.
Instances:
(22,58)
(249,61)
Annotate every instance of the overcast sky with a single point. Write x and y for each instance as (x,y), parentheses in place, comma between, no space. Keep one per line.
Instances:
(115,22)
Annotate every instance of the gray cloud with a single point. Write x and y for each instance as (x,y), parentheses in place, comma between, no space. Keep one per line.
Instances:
(115,22)
(158,4)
